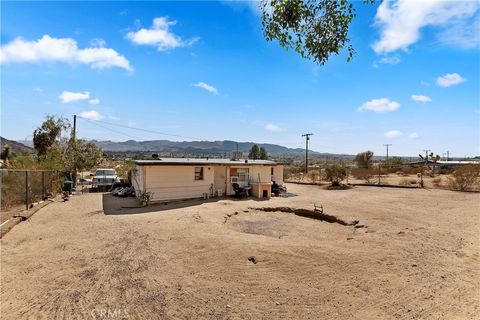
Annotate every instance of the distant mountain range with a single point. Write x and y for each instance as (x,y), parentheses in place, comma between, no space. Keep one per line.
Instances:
(197,148)
(16,147)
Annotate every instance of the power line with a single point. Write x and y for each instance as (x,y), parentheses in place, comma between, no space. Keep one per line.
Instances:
(140,129)
(110,129)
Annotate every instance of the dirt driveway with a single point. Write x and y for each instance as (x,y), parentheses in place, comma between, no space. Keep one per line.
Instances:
(417,257)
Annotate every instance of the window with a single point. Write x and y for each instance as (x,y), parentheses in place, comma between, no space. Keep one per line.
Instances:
(242,174)
(198,173)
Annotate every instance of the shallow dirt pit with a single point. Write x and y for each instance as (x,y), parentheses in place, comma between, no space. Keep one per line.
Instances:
(269,225)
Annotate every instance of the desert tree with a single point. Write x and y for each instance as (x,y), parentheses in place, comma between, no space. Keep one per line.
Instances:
(6,153)
(430,158)
(364,159)
(49,134)
(254,152)
(262,154)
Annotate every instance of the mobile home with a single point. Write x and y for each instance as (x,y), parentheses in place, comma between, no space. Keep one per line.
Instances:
(185,178)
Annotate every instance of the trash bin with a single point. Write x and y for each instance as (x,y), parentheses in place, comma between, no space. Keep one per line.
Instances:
(68,186)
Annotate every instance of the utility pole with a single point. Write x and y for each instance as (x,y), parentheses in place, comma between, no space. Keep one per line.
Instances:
(448,155)
(74,132)
(307,137)
(387,145)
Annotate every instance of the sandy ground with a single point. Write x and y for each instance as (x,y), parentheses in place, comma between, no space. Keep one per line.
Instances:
(416,258)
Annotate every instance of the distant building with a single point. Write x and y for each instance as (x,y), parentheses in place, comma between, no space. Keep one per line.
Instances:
(185,178)
(451,164)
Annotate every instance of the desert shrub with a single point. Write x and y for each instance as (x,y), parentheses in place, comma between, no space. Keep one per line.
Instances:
(412,170)
(126,170)
(437,182)
(363,174)
(144,197)
(464,178)
(314,175)
(335,173)
(408,181)
(445,170)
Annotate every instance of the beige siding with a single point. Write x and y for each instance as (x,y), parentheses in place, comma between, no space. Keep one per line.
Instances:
(137,179)
(220,180)
(177,182)
(278,174)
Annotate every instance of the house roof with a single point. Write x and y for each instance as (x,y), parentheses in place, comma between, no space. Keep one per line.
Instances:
(202,161)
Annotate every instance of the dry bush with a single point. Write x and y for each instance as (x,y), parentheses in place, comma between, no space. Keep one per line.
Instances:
(411,170)
(408,181)
(314,175)
(437,182)
(366,174)
(464,178)
(335,173)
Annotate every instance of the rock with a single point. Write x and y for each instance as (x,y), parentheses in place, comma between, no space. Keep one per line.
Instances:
(229,306)
(349,238)
(252,259)
(277,303)
(414,265)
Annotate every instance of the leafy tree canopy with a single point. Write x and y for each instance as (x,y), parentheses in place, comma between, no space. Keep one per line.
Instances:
(263,154)
(315,29)
(254,153)
(49,134)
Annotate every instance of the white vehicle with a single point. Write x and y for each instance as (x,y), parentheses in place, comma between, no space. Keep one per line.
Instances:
(104,178)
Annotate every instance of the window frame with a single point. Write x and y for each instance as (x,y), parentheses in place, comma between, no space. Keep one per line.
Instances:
(198,176)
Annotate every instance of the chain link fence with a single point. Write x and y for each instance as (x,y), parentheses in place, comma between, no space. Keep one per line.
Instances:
(24,187)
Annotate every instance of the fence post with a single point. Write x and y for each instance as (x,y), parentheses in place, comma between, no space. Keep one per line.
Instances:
(43,185)
(26,189)
(379,173)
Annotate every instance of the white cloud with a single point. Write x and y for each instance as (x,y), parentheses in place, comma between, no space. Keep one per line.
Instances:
(413,135)
(393,134)
(464,34)
(38,89)
(94,101)
(69,97)
(91,115)
(401,21)
(48,49)
(390,60)
(131,124)
(421,98)
(159,35)
(206,86)
(380,105)
(450,79)
(272,127)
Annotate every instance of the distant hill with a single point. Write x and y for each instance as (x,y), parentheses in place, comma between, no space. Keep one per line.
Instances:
(225,147)
(195,147)
(15,146)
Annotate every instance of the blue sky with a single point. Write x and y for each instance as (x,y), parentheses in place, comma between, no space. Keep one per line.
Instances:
(204,70)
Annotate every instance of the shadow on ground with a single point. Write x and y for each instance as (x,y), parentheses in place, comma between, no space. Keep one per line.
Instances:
(116,205)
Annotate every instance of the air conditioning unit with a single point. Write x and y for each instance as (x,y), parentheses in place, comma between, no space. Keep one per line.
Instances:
(234,179)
